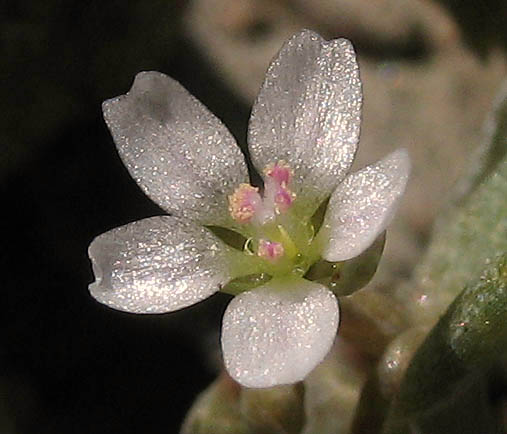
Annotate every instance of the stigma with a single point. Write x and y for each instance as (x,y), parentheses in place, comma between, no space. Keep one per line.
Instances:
(270,250)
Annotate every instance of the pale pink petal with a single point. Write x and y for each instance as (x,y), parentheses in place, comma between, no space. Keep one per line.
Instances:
(362,206)
(156,265)
(277,333)
(178,152)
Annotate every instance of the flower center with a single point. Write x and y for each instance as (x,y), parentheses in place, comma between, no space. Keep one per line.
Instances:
(278,236)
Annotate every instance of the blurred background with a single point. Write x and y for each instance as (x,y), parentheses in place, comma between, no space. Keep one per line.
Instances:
(430,70)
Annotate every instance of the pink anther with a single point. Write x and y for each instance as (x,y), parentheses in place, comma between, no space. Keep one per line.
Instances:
(244,203)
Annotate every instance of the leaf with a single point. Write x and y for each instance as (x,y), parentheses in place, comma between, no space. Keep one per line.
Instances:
(448,370)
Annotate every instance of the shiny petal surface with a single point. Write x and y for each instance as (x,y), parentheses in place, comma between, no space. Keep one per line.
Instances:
(308,113)
(156,265)
(178,152)
(278,333)
(362,206)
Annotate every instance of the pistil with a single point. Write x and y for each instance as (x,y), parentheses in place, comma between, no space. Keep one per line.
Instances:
(270,250)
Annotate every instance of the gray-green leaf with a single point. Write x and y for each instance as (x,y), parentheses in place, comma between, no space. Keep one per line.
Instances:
(449,368)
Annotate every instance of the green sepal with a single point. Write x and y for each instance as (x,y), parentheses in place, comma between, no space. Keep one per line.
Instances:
(246,283)
(346,277)
(231,238)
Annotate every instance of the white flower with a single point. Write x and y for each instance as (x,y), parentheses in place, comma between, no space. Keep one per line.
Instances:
(303,136)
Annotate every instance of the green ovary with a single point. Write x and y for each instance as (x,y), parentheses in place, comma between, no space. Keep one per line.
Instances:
(299,253)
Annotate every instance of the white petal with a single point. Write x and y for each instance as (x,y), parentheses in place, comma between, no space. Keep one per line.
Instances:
(362,206)
(157,265)
(278,333)
(308,112)
(178,152)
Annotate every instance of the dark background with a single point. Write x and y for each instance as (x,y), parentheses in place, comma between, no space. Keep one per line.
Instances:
(67,363)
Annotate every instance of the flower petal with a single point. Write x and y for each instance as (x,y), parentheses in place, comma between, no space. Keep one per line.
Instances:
(362,206)
(278,333)
(178,152)
(159,264)
(308,112)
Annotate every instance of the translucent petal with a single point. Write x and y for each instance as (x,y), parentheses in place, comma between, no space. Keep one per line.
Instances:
(278,333)
(156,265)
(308,112)
(178,152)
(362,206)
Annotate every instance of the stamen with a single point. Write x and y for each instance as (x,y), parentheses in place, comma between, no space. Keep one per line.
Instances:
(247,206)
(244,203)
(270,250)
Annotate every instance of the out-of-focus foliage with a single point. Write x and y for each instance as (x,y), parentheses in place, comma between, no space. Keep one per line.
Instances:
(217,410)
(225,407)
(445,387)
(332,392)
(472,231)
